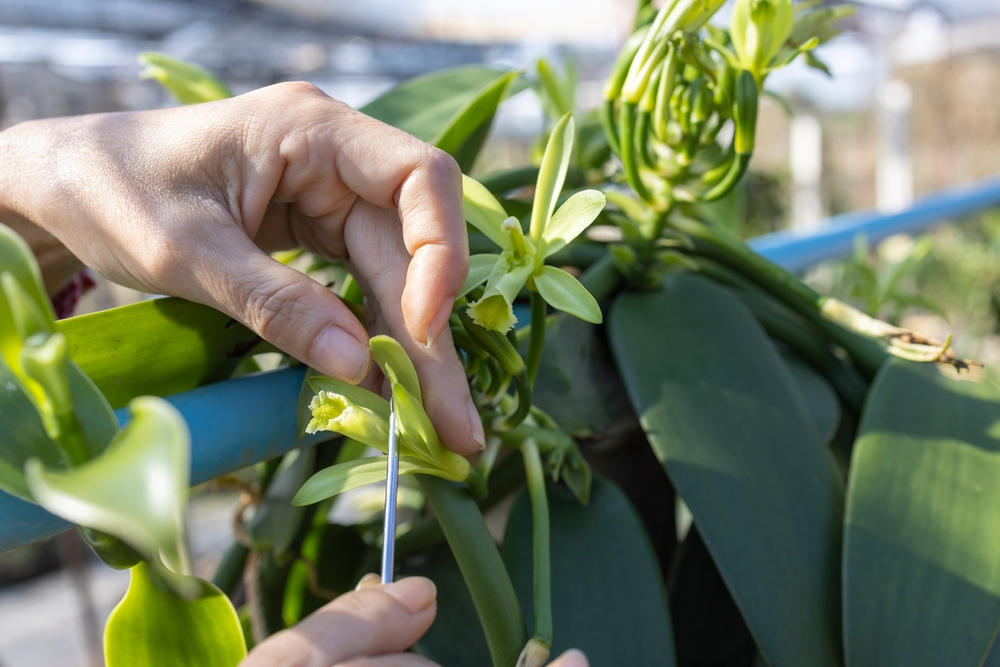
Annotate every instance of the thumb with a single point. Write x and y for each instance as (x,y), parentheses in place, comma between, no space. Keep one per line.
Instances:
(288,309)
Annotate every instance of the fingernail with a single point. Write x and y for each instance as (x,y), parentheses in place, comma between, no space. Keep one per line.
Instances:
(478,434)
(414,593)
(573,658)
(370,579)
(439,322)
(341,355)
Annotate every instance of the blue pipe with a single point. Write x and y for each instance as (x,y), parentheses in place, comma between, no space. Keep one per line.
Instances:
(233,425)
(237,423)
(798,250)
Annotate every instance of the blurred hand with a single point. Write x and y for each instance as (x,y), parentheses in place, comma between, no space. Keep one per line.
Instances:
(188,201)
(370,627)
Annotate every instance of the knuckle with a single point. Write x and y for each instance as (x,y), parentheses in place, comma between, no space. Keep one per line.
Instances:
(299,89)
(271,309)
(443,166)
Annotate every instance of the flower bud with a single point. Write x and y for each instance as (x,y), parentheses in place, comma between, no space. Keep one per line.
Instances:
(759,28)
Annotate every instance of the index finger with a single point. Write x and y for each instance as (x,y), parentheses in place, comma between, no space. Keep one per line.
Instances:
(390,169)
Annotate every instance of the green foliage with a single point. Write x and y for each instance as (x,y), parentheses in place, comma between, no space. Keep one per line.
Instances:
(153,627)
(607,592)
(723,415)
(921,583)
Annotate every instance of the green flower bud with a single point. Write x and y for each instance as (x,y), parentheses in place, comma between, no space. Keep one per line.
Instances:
(745,113)
(759,29)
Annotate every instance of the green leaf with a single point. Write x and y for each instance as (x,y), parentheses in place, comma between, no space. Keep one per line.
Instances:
(921,575)
(483,211)
(820,398)
(187,82)
(607,593)
(24,436)
(456,638)
(276,521)
(564,292)
(17,259)
(480,267)
(156,348)
(153,627)
(725,418)
(134,490)
(354,474)
(449,109)
(388,353)
(570,219)
(552,175)
(577,382)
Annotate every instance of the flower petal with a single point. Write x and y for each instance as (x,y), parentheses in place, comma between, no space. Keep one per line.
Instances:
(349,475)
(388,353)
(564,292)
(551,175)
(569,221)
(480,267)
(483,211)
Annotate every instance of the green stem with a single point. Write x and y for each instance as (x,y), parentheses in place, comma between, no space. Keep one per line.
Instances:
(610,126)
(229,573)
(523,387)
(482,568)
(537,340)
(628,141)
(541,541)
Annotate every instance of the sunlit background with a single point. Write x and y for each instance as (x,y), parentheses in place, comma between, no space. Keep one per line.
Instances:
(913,106)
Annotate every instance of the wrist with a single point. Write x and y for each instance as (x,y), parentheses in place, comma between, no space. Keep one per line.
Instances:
(26,148)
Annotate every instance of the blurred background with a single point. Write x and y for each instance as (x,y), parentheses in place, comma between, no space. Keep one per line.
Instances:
(913,106)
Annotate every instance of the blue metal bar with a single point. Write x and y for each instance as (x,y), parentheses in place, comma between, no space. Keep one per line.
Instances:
(233,424)
(798,250)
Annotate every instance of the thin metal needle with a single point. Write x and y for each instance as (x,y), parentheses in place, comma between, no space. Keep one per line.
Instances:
(391,486)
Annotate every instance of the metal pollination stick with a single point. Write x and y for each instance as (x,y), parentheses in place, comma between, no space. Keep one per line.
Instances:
(391,488)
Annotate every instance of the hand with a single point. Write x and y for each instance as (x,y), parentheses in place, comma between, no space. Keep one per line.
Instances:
(187,201)
(370,627)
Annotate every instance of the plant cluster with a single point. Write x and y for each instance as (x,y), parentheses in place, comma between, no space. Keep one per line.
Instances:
(839,471)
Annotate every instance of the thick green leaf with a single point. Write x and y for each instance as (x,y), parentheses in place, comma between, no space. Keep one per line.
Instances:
(577,383)
(456,638)
(608,598)
(24,436)
(156,348)
(448,109)
(134,490)
(153,627)
(922,576)
(819,396)
(725,417)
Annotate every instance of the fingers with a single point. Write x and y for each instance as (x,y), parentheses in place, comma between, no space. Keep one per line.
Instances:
(571,658)
(373,621)
(380,262)
(401,660)
(330,152)
(285,307)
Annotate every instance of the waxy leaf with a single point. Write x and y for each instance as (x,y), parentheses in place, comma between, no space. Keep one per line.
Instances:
(724,416)
(819,396)
(153,627)
(276,521)
(134,490)
(564,292)
(17,259)
(921,574)
(608,598)
(450,109)
(156,348)
(24,437)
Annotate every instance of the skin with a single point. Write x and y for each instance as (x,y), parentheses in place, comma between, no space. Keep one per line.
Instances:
(189,201)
